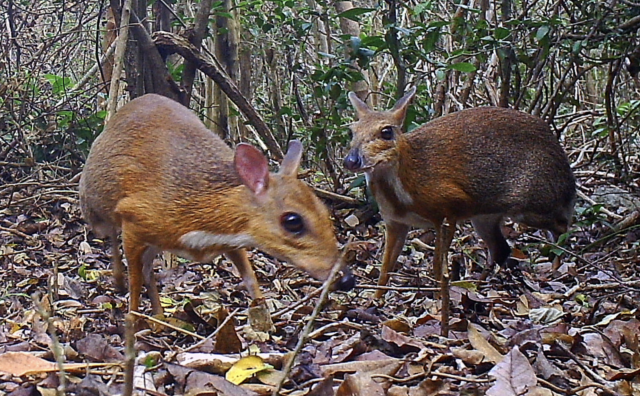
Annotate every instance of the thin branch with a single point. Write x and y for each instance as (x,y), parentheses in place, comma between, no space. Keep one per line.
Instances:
(326,288)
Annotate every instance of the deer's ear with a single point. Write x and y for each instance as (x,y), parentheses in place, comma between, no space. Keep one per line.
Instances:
(291,161)
(252,167)
(361,107)
(399,110)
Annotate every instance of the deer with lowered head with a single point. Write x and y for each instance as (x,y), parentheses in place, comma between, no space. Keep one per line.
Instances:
(167,183)
(482,164)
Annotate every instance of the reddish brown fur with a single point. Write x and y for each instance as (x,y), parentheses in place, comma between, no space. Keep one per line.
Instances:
(483,163)
(157,173)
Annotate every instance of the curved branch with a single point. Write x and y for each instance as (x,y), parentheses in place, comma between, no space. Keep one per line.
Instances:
(172,43)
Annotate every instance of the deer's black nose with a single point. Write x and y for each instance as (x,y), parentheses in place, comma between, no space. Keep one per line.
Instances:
(353,162)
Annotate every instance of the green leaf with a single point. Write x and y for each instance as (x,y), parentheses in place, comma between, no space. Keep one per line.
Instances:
(577,46)
(374,41)
(501,33)
(82,271)
(543,31)
(557,251)
(353,13)
(422,7)
(464,67)
(563,238)
(471,286)
(430,41)
(438,24)
(59,84)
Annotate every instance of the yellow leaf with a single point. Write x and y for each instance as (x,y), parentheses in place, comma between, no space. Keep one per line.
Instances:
(91,275)
(471,286)
(245,368)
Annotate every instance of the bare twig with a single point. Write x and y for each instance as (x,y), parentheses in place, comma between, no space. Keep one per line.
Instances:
(56,347)
(169,325)
(129,354)
(326,287)
(586,368)
(336,197)
(14,231)
(297,304)
(603,210)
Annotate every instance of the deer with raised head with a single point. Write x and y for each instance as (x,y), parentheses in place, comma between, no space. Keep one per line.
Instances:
(482,164)
(167,183)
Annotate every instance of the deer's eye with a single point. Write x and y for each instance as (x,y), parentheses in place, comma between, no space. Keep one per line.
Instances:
(292,222)
(387,133)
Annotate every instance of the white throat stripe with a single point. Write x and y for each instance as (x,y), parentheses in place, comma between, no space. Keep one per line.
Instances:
(401,193)
(202,239)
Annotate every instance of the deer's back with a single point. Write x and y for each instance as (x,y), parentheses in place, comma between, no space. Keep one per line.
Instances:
(153,145)
(493,159)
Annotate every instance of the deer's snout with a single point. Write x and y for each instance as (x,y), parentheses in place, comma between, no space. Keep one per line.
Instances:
(353,161)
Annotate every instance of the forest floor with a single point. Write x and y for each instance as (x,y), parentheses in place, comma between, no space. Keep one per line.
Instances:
(528,330)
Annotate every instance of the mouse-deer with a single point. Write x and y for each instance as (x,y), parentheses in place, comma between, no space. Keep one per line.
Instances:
(482,164)
(167,183)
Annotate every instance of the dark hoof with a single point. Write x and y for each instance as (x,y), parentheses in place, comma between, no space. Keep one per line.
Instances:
(347,282)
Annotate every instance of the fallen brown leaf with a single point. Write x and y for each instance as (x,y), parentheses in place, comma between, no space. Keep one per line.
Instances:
(514,375)
(227,340)
(23,363)
(482,345)
(360,384)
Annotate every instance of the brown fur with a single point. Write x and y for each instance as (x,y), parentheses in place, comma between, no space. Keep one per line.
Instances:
(482,164)
(156,173)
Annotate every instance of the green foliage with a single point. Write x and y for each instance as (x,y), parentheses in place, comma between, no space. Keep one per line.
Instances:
(86,128)
(457,55)
(590,215)
(354,13)
(59,84)
(176,71)
(462,66)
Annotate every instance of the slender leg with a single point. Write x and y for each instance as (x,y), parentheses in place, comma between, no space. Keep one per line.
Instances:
(150,279)
(240,260)
(134,251)
(116,263)
(488,227)
(395,236)
(444,236)
(259,316)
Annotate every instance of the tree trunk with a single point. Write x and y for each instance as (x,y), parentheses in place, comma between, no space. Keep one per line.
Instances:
(226,49)
(506,57)
(110,35)
(145,68)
